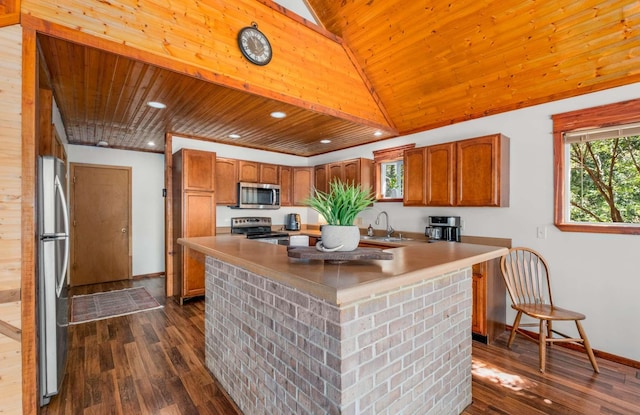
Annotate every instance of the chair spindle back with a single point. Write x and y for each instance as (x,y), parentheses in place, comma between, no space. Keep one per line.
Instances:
(526,276)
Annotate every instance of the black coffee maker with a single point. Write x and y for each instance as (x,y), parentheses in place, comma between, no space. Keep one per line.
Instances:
(443,228)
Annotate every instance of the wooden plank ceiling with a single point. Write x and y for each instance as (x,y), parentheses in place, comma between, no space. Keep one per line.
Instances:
(103,97)
(426,64)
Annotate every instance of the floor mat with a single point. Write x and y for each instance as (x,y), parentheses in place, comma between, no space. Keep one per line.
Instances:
(99,306)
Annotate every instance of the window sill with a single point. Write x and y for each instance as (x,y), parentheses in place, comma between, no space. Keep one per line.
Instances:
(625,229)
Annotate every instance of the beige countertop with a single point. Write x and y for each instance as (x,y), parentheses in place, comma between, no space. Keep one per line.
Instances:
(350,281)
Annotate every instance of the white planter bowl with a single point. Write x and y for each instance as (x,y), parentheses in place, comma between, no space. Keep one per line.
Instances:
(333,236)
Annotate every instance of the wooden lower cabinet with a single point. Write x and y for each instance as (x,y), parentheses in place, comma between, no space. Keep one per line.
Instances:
(198,213)
(194,214)
(489,301)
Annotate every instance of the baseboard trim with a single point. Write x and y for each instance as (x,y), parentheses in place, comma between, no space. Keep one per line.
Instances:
(145,276)
(598,353)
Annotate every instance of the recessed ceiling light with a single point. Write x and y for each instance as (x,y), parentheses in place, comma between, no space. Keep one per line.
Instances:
(325,141)
(102,143)
(234,136)
(156,104)
(378,133)
(278,114)
(151,144)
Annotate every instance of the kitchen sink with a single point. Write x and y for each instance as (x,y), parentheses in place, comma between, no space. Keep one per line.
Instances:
(385,238)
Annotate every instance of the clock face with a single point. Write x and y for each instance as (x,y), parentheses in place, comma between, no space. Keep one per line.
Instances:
(254,45)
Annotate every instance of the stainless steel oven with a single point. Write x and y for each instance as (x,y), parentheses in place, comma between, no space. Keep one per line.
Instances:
(258,228)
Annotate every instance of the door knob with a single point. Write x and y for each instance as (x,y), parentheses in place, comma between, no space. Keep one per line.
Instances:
(124,230)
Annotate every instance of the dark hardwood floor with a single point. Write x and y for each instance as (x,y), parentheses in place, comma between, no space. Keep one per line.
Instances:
(153,363)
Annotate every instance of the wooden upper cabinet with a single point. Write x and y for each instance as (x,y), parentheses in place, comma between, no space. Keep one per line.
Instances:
(226,181)
(198,169)
(359,171)
(483,171)
(321,177)
(269,173)
(286,185)
(255,172)
(248,171)
(440,174)
(415,177)
(302,184)
(335,171)
(473,172)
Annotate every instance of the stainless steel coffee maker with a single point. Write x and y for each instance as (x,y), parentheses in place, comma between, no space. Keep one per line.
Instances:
(443,228)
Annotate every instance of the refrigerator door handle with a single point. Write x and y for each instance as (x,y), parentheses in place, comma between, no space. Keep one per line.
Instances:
(65,215)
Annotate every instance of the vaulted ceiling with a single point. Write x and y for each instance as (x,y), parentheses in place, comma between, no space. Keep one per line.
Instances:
(398,67)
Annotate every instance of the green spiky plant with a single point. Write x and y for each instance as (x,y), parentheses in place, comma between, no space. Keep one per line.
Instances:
(342,203)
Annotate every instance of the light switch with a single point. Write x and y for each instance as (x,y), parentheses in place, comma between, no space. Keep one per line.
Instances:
(542,232)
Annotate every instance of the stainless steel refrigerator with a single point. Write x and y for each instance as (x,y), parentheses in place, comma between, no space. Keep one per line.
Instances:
(53,259)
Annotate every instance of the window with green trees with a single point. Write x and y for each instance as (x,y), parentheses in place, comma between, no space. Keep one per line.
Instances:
(393,183)
(605,174)
(597,169)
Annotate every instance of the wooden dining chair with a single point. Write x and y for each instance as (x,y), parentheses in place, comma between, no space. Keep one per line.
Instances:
(526,275)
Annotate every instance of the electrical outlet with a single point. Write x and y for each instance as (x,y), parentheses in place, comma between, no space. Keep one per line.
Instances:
(461,224)
(542,232)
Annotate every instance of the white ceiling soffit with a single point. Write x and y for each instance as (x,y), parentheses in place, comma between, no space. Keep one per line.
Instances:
(299,7)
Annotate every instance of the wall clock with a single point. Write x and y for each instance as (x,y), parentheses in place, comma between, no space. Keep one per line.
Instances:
(254,45)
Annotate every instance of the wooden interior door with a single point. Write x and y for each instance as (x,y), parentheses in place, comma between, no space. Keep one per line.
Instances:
(100,223)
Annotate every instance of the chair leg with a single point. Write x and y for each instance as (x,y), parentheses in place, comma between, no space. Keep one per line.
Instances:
(543,344)
(514,328)
(549,332)
(587,346)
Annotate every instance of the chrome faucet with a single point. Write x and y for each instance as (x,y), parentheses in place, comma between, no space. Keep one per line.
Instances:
(390,230)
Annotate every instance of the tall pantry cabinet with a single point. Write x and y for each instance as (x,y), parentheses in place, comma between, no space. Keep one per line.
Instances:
(194,214)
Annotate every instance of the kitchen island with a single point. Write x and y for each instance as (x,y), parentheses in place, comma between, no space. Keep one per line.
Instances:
(287,335)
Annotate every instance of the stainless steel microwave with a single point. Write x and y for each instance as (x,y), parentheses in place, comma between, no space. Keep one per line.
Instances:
(258,196)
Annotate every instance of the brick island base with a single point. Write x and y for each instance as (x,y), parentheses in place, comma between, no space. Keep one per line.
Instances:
(277,350)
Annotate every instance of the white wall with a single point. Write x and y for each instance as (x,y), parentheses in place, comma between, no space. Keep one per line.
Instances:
(299,7)
(147,182)
(596,274)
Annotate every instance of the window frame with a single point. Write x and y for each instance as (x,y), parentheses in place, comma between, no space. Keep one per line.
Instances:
(626,112)
(386,156)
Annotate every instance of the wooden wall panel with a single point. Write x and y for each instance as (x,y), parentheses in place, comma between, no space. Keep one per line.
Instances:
(308,69)
(10,212)
(9,12)
(443,62)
